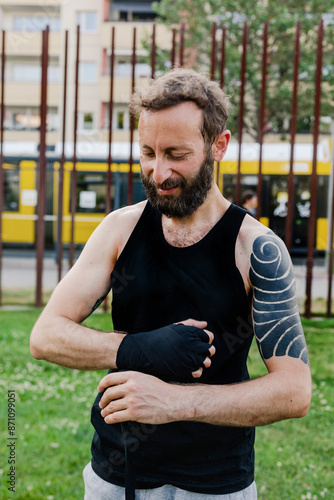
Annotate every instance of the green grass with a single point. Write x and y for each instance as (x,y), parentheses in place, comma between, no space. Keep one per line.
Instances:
(294,459)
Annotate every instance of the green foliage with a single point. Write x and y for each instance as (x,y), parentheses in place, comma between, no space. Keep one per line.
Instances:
(282,17)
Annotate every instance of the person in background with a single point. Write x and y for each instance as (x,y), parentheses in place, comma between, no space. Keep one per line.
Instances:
(249,202)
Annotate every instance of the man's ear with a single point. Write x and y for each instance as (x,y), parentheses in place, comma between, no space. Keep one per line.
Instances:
(219,147)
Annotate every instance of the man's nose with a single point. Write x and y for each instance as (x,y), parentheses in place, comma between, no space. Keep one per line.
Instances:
(161,171)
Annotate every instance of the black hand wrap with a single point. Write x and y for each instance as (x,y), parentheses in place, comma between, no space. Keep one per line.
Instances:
(171,353)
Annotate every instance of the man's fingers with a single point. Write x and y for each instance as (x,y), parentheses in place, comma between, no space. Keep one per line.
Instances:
(207,362)
(210,335)
(113,407)
(118,416)
(212,350)
(194,322)
(197,373)
(111,379)
(111,394)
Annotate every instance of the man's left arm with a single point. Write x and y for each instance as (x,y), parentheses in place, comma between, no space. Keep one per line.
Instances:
(285,392)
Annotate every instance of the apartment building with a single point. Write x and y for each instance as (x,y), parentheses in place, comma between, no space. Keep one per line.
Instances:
(24,20)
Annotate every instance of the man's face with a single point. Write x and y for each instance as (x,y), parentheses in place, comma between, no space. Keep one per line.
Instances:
(176,171)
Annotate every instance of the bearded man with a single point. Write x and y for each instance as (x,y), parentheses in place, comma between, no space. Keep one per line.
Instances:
(194,277)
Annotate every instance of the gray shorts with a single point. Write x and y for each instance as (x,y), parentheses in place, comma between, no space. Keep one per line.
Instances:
(98,489)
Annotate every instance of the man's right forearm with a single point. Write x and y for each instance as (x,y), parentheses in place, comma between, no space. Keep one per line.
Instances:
(64,342)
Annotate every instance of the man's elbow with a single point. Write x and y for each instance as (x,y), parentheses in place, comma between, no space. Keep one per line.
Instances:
(35,350)
(36,345)
(303,400)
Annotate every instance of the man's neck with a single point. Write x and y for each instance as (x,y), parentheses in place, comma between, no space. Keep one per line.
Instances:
(186,231)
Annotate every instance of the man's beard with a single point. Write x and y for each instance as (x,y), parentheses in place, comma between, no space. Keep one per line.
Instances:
(193,191)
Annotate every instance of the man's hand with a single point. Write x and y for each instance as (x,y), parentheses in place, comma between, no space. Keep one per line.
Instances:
(138,397)
(212,349)
(173,353)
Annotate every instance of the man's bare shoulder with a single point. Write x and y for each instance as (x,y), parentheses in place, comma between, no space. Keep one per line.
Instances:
(121,222)
(250,230)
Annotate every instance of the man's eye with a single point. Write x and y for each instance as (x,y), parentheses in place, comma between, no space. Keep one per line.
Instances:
(148,155)
(177,158)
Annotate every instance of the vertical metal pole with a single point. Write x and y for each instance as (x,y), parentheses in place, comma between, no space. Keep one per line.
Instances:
(293,129)
(181,44)
(111,110)
(222,58)
(241,110)
(74,160)
(173,52)
(314,179)
(132,122)
(262,117)
(3,56)
(213,50)
(61,167)
(40,236)
(331,235)
(153,52)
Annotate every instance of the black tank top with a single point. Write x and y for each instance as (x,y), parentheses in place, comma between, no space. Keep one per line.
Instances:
(156,284)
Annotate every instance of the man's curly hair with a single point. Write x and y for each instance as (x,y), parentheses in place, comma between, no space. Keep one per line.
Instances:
(182,85)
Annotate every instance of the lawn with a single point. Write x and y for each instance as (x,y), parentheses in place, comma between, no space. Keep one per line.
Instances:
(53,431)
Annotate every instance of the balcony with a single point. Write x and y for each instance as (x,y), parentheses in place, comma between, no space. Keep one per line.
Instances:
(30,44)
(21,94)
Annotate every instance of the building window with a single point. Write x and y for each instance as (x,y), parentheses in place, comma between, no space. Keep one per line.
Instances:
(25,73)
(87,21)
(31,73)
(35,23)
(88,121)
(124,69)
(21,118)
(87,72)
(120,120)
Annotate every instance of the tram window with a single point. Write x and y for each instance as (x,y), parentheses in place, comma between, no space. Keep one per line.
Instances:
(91,192)
(323,190)
(248,182)
(11,190)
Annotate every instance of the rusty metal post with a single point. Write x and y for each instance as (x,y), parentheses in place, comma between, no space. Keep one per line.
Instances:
(314,178)
(213,50)
(330,244)
(153,52)
(61,167)
(3,58)
(111,110)
(173,51)
(241,110)
(132,122)
(74,160)
(181,44)
(293,129)
(40,236)
(262,117)
(222,58)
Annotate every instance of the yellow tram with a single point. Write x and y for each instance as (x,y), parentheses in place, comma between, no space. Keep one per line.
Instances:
(21,190)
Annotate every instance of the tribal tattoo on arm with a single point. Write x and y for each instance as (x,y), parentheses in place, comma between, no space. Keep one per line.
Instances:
(277,325)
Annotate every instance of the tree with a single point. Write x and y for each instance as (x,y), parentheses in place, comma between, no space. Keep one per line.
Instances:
(198,16)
